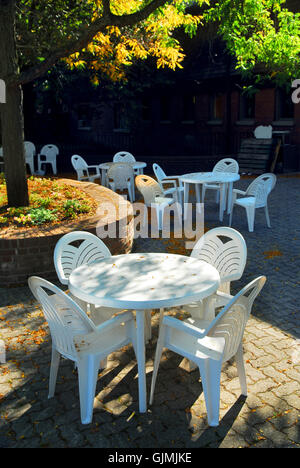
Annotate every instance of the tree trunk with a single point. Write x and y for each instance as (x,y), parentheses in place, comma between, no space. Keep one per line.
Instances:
(12,111)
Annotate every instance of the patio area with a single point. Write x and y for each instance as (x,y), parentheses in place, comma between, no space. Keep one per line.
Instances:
(268,417)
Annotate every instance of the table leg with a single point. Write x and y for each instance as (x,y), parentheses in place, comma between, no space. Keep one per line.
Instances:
(198,197)
(209,308)
(229,197)
(140,323)
(222,201)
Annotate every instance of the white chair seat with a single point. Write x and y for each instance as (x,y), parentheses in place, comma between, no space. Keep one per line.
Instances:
(245,201)
(163,201)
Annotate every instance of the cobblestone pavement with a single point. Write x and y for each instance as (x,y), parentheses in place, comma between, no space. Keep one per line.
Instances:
(268,417)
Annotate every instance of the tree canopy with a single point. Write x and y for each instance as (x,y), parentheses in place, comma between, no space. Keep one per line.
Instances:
(109,35)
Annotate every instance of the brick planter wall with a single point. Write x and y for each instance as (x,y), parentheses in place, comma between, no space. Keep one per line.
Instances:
(30,252)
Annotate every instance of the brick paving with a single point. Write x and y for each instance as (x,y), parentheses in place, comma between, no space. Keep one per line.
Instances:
(268,417)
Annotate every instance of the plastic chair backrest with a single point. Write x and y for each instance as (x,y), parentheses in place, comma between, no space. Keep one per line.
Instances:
(225,249)
(123,156)
(30,149)
(65,318)
(149,188)
(79,165)
(230,323)
(78,162)
(88,248)
(120,173)
(50,151)
(227,165)
(261,187)
(158,171)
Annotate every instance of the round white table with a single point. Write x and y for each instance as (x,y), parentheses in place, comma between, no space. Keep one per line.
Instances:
(143,282)
(225,179)
(138,166)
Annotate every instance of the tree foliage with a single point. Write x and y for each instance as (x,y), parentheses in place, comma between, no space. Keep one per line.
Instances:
(108,36)
(263,36)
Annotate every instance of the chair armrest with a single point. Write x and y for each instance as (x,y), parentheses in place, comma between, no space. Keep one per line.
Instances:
(111,323)
(239,192)
(184,327)
(170,181)
(94,167)
(170,191)
(175,178)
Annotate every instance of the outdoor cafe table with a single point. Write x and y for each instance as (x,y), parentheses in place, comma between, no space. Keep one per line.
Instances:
(225,179)
(143,282)
(104,167)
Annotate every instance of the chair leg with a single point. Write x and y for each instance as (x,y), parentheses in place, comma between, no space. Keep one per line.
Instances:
(250,211)
(159,215)
(55,358)
(210,372)
(239,358)
(267,216)
(88,367)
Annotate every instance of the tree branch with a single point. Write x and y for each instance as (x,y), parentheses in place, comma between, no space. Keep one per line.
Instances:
(85,37)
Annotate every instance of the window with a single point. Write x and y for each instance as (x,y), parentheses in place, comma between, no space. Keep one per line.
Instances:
(247,106)
(84,117)
(146,109)
(120,117)
(284,105)
(165,109)
(188,108)
(216,107)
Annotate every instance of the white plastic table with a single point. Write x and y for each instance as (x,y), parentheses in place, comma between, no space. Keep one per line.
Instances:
(225,179)
(143,282)
(104,167)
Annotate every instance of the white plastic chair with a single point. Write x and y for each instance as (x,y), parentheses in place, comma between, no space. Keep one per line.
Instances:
(73,250)
(209,345)
(48,155)
(256,196)
(163,179)
(155,196)
(76,337)
(30,152)
(120,176)
(83,170)
(126,157)
(225,165)
(226,250)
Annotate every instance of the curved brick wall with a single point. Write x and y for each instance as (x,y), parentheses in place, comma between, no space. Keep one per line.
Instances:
(23,254)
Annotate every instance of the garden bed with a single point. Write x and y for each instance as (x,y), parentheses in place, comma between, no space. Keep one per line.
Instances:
(26,251)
